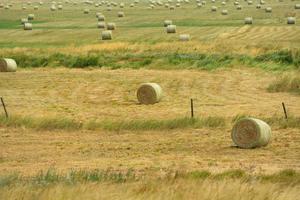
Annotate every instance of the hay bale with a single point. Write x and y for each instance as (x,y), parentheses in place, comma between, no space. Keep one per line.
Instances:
(24,20)
(53,8)
(258,6)
(35,8)
(223,3)
(8,65)
(106,35)
(291,20)
(177,4)
(86,11)
(101,25)
(167,23)
(203,3)
(297,6)
(251,133)
(248,20)
(149,93)
(109,8)
(214,8)
(250,3)
(236,3)
(24,8)
(60,7)
(199,5)
(268,9)
(224,12)
(27,26)
(101,18)
(262,2)
(172,8)
(239,7)
(121,14)
(184,37)
(111,26)
(30,17)
(171,29)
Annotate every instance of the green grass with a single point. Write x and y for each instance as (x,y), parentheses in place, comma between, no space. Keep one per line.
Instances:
(53,177)
(122,59)
(141,125)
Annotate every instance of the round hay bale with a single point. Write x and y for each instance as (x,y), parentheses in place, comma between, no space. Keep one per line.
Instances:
(8,65)
(171,29)
(111,26)
(248,20)
(59,7)
(101,25)
(291,20)
(184,37)
(53,8)
(297,6)
(35,7)
(250,3)
(177,4)
(30,17)
(203,3)
(121,14)
(236,3)
(258,6)
(167,23)
(86,11)
(214,8)
(1,5)
(262,2)
(223,3)
(109,8)
(149,93)
(268,9)
(27,26)
(41,3)
(199,5)
(101,18)
(239,7)
(172,8)
(224,12)
(24,8)
(106,35)
(251,133)
(24,20)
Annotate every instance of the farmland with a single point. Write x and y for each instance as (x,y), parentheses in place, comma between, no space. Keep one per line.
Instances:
(77,131)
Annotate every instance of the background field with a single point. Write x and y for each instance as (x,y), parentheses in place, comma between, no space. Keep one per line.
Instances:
(76,127)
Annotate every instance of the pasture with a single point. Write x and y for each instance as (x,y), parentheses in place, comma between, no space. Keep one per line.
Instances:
(76,130)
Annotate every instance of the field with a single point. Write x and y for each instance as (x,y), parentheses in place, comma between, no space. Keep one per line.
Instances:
(76,130)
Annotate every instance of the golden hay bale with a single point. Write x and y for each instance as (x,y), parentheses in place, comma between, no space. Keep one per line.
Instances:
(291,20)
(172,8)
(167,23)
(24,20)
(8,65)
(111,26)
(248,20)
(60,7)
(35,7)
(224,12)
(86,11)
(250,3)
(121,14)
(101,25)
(27,26)
(251,133)
(268,9)
(214,8)
(171,29)
(30,17)
(53,8)
(236,3)
(106,35)
(262,2)
(101,18)
(239,7)
(149,93)
(184,37)
(223,3)
(297,6)
(199,5)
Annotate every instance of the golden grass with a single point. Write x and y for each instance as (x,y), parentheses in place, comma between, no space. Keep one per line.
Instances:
(179,189)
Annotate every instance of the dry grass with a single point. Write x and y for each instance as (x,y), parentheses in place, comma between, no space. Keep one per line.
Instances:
(179,189)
